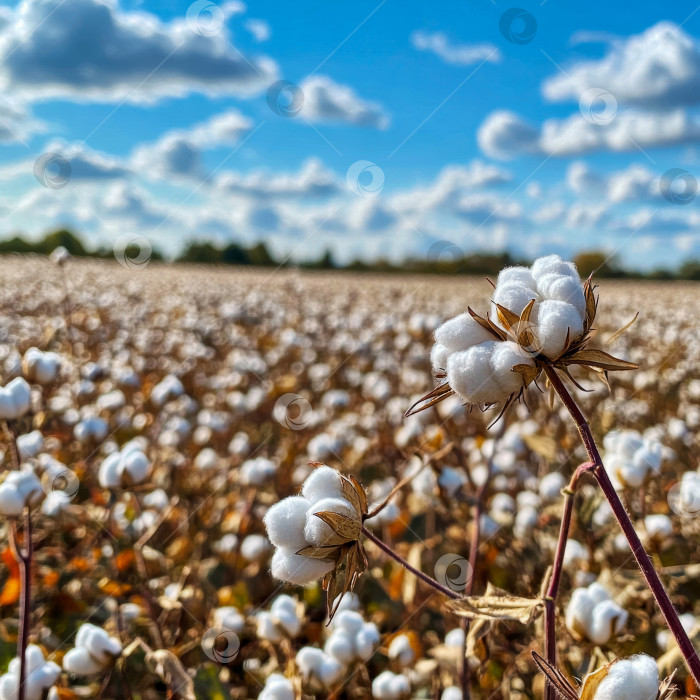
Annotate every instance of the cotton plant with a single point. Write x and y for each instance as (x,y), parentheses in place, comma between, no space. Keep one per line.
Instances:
(314,664)
(352,639)
(631,457)
(401,650)
(284,619)
(593,614)
(126,467)
(94,651)
(391,686)
(39,366)
(20,489)
(277,687)
(40,676)
(15,399)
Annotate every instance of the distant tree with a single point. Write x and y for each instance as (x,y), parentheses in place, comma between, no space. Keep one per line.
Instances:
(197,252)
(690,270)
(61,237)
(259,255)
(235,254)
(601,262)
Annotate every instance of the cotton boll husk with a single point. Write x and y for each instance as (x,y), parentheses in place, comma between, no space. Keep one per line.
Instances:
(297,569)
(516,275)
(505,356)
(563,288)
(323,482)
(514,297)
(553,321)
(608,618)
(470,374)
(285,522)
(316,531)
(461,332)
(636,678)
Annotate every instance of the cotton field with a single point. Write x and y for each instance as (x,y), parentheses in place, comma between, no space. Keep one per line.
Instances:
(210,488)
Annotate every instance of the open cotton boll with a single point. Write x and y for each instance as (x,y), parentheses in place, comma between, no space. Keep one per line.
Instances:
(525,521)
(40,367)
(54,503)
(15,399)
(266,627)
(341,646)
(323,482)
(563,288)
(658,526)
(514,297)
(285,522)
(575,553)
(206,459)
(552,265)
(40,676)
(664,637)
(401,650)
(593,614)
(367,640)
(286,611)
(438,358)
(288,566)
(226,544)
(460,333)
(455,638)
(451,693)
(30,445)
(254,472)
(516,275)
(470,374)
(390,686)
(254,547)
(315,663)
(607,620)
(554,321)
(504,357)
(316,531)
(551,486)
(636,678)
(277,687)
(229,618)
(101,646)
(20,488)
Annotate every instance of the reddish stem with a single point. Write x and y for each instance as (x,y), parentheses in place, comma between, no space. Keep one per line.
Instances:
(644,562)
(24,562)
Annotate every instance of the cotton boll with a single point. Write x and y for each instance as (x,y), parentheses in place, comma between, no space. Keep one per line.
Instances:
(323,482)
(267,627)
(340,645)
(229,618)
(516,275)
(390,686)
(514,297)
(525,521)
(254,472)
(554,321)
(552,265)
(401,650)
(254,547)
(54,503)
(505,356)
(100,645)
(551,486)
(451,693)
(285,522)
(438,358)
(460,333)
(451,480)
(349,621)
(574,554)
(366,640)
(563,288)
(330,671)
(206,459)
(297,569)
(277,687)
(313,662)
(79,662)
(470,374)
(608,619)
(318,532)
(11,501)
(285,611)
(15,399)
(658,526)
(30,445)
(636,678)
(455,638)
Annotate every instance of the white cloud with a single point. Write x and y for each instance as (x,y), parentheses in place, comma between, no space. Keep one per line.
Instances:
(327,101)
(455,54)
(582,180)
(92,50)
(636,183)
(312,180)
(659,68)
(259,28)
(505,135)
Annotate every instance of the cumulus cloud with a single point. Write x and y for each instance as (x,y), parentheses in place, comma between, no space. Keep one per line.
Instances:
(659,68)
(92,50)
(312,180)
(178,153)
(582,180)
(259,29)
(455,54)
(505,135)
(327,101)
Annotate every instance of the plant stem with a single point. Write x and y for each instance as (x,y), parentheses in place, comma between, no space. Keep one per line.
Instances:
(24,561)
(423,577)
(550,598)
(644,562)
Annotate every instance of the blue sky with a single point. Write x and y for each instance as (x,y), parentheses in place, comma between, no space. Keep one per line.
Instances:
(375,128)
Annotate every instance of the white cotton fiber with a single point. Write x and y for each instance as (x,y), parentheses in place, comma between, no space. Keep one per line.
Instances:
(554,320)
(514,297)
(438,357)
(563,288)
(461,332)
(277,687)
(552,264)
(285,522)
(551,485)
(607,620)
(296,569)
(340,646)
(636,678)
(504,357)
(469,374)
(516,275)
(401,650)
(318,532)
(323,482)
